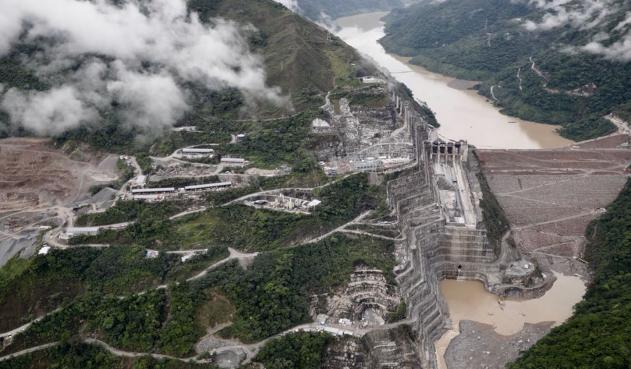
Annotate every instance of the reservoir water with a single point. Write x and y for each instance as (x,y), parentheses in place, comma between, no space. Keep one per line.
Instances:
(463,114)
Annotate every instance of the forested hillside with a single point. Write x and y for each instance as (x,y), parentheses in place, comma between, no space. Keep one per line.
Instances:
(599,334)
(316,9)
(301,62)
(560,64)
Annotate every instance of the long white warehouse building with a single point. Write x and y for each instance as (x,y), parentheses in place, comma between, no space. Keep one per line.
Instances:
(207,186)
(153,190)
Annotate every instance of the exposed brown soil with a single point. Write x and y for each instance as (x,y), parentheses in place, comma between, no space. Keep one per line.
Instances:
(34,173)
(551,196)
(39,185)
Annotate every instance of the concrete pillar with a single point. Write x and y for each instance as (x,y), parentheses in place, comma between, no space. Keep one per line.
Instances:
(406,118)
(464,149)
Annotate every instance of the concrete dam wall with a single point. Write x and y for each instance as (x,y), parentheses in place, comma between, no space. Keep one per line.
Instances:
(443,236)
(436,202)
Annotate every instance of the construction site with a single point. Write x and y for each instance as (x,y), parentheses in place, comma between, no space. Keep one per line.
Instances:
(364,139)
(436,191)
(281,202)
(39,187)
(44,189)
(548,198)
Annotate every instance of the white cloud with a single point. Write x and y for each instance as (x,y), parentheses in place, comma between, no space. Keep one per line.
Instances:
(153,101)
(584,14)
(49,112)
(625,24)
(590,15)
(145,53)
(290,4)
(619,51)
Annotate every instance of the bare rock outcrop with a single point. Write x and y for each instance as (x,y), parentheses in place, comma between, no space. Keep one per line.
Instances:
(366,300)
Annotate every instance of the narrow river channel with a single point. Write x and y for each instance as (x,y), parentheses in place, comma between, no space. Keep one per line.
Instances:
(463,114)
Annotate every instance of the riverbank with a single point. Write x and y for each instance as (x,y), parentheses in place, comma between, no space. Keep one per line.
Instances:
(462,113)
(527,74)
(469,301)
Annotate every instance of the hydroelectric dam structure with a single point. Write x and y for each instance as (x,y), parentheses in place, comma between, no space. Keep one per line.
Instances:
(437,202)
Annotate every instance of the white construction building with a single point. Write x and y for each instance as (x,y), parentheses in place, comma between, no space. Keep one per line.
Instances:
(147,191)
(195,153)
(233,162)
(208,186)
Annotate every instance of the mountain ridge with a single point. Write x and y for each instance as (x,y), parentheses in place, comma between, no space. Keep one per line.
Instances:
(540,71)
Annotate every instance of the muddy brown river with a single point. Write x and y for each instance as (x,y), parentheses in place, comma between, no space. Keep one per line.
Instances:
(463,114)
(468,300)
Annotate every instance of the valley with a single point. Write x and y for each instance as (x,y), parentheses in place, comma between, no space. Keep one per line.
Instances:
(544,62)
(462,113)
(352,211)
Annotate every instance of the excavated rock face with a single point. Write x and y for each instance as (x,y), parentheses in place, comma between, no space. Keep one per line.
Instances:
(382,349)
(345,353)
(366,300)
(392,349)
(360,118)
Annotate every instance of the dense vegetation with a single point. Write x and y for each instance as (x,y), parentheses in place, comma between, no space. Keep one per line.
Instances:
(269,297)
(399,314)
(160,320)
(183,181)
(274,293)
(263,147)
(481,40)
(599,333)
(126,211)
(295,350)
(30,288)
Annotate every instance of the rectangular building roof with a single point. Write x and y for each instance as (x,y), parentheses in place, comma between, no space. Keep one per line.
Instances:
(233,160)
(208,185)
(146,197)
(153,190)
(82,230)
(197,151)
